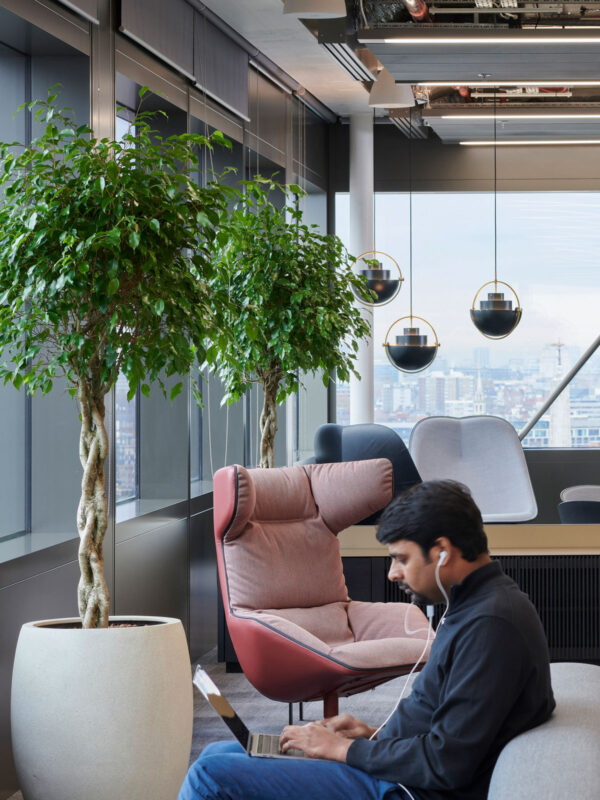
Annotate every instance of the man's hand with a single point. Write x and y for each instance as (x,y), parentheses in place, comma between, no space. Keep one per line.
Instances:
(316,741)
(349,726)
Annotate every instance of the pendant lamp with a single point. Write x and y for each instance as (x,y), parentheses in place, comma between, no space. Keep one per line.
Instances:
(382,275)
(496,316)
(386,283)
(315,9)
(413,350)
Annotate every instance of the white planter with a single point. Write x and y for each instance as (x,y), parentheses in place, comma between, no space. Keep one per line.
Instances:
(102,714)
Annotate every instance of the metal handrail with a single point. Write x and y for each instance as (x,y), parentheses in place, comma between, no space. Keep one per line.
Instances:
(560,388)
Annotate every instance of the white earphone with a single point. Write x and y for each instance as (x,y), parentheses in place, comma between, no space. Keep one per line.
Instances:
(442,558)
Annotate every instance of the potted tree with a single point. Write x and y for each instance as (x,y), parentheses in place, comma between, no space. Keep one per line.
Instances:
(286,295)
(104,248)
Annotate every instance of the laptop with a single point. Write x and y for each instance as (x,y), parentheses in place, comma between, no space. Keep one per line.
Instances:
(259,745)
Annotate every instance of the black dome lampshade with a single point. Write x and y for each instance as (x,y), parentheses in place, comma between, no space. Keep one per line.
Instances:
(386,283)
(496,317)
(412,352)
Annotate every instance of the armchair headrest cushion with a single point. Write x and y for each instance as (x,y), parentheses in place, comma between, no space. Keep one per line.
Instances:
(342,494)
(278,538)
(348,492)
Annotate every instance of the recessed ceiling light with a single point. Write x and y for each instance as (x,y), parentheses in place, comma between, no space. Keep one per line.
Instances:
(542,115)
(527,142)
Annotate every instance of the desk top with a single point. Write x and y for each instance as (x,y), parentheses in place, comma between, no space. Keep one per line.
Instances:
(504,540)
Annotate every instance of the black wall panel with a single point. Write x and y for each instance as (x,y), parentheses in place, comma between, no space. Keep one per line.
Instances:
(151,573)
(203,585)
(438,167)
(551,471)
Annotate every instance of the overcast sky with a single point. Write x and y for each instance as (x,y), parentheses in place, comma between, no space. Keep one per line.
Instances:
(548,250)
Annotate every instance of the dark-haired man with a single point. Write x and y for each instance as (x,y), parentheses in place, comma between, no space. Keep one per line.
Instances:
(487,679)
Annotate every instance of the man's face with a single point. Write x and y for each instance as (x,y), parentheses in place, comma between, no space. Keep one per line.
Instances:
(414,572)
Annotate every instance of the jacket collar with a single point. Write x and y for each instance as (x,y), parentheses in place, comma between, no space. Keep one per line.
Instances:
(474,582)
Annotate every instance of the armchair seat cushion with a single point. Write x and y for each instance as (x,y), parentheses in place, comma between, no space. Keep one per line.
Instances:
(354,634)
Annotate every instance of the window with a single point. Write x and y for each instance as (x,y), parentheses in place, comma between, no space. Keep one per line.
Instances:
(126,442)
(311,400)
(40,471)
(547,250)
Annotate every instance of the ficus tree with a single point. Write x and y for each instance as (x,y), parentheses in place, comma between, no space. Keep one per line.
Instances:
(286,295)
(104,247)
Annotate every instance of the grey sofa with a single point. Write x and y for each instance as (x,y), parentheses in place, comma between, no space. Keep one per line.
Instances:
(559,760)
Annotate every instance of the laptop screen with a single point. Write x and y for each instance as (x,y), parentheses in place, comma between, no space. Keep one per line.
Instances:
(211,692)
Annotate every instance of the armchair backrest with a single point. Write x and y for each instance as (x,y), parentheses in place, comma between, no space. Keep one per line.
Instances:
(366,441)
(276,529)
(484,453)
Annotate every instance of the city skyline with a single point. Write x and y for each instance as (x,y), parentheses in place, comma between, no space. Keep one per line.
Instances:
(514,391)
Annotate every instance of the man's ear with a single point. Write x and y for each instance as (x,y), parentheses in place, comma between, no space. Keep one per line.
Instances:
(442,545)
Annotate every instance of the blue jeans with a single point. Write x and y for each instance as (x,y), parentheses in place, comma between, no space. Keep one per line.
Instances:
(224,772)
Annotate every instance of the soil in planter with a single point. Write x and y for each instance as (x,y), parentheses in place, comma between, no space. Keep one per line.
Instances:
(130,624)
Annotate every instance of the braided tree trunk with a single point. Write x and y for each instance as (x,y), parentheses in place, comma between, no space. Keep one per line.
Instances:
(268,418)
(92,514)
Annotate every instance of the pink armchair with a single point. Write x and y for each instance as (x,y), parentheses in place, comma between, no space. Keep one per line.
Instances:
(296,633)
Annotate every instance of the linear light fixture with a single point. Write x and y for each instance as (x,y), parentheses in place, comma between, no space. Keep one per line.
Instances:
(479,84)
(499,40)
(557,27)
(527,142)
(541,116)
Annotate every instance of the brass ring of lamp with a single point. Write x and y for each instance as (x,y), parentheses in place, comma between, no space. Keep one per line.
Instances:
(517,309)
(501,283)
(410,317)
(400,276)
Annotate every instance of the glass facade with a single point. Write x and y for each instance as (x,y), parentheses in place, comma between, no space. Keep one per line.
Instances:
(40,471)
(539,233)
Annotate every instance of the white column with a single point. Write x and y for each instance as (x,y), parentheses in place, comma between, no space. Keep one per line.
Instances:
(362,398)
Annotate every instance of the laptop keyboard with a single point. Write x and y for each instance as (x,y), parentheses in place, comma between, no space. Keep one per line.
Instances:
(268,744)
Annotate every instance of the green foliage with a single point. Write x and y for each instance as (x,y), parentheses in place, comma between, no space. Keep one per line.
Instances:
(104,255)
(285,292)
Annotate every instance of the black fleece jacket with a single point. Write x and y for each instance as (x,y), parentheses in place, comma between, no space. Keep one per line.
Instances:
(487,679)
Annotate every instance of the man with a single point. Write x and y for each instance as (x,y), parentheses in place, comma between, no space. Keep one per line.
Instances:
(487,680)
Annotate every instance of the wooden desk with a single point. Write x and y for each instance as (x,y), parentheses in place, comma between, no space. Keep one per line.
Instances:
(504,540)
(558,566)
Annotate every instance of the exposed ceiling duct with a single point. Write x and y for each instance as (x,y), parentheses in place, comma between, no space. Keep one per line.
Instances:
(340,42)
(315,9)
(468,54)
(386,93)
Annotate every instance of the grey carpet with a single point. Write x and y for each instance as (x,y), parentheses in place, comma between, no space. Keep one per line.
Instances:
(269,716)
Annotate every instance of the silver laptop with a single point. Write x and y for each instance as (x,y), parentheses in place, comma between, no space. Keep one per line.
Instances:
(262,745)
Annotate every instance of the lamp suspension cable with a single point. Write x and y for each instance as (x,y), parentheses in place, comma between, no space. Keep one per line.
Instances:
(410,231)
(374,210)
(495,199)
(257,172)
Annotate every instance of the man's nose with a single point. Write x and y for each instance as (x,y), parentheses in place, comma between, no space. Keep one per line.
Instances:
(396,573)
